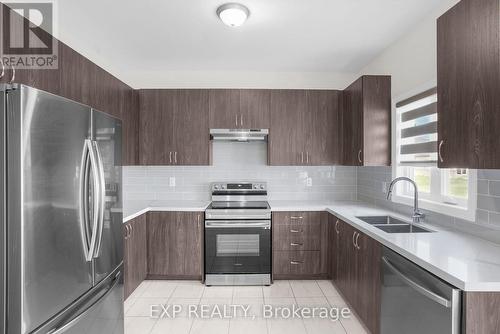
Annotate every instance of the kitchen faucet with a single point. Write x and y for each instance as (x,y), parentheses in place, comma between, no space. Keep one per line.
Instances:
(417,214)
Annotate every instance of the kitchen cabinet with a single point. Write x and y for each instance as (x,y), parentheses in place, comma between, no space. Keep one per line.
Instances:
(357,273)
(481,312)
(366,122)
(304,127)
(468,63)
(174,245)
(300,245)
(174,127)
(135,255)
(239,108)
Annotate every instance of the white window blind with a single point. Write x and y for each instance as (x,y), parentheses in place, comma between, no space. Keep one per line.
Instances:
(417,130)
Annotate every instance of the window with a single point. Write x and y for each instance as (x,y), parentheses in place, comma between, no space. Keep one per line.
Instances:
(448,191)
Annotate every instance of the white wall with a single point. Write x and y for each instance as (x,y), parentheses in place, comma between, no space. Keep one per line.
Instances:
(264,80)
(411,60)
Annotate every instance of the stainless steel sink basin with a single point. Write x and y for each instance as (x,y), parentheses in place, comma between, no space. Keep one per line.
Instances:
(408,228)
(390,224)
(381,220)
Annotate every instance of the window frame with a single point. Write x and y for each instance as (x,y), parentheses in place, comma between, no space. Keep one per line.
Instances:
(425,200)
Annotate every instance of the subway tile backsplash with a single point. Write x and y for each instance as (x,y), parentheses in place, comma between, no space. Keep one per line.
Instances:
(234,161)
(486,224)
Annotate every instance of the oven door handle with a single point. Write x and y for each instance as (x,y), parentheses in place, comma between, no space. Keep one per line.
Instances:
(238,224)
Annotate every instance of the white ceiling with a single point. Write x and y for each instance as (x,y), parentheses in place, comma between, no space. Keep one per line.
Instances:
(280,35)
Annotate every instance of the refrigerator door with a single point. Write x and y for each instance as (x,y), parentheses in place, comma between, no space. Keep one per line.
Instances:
(47,240)
(97,312)
(2,211)
(107,139)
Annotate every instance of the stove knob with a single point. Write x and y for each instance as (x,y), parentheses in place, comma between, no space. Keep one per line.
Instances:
(256,186)
(223,187)
(216,187)
(261,186)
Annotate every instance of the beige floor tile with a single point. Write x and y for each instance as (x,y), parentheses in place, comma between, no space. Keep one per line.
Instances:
(188,291)
(323,326)
(139,325)
(210,326)
(328,288)
(184,303)
(172,326)
(142,307)
(159,289)
(306,289)
(218,292)
(285,326)
(279,289)
(312,301)
(248,292)
(353,326)
(248,326)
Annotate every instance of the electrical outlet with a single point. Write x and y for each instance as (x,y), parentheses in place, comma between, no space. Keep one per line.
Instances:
(309,182)
(384,187)
(171,181)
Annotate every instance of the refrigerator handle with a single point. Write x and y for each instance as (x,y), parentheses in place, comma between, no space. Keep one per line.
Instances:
(95,198)
(82,313)
(88,235)
(101,198)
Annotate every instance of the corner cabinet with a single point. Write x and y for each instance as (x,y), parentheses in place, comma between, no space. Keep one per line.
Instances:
(174,244)
(304,127)
(468,85)
(174,127)
(366,122)
(135,256)
(356,270)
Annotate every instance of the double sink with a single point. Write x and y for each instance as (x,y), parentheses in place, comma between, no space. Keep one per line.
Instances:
(390,224)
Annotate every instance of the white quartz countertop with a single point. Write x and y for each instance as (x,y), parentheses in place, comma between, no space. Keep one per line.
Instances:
(134,209)
(465,261)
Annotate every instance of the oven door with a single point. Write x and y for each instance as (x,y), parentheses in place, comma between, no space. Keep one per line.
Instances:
(237,247)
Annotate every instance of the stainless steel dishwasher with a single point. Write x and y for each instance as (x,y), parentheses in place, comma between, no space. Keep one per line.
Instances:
(416,301)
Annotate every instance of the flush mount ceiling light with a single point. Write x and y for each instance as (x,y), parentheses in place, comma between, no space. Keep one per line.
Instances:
(233,14)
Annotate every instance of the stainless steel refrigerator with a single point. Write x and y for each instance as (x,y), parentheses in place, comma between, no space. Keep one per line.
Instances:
(61,228)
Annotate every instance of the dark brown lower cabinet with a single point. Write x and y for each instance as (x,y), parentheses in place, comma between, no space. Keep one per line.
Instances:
(356,259)
(135,256)
(481,312)
(174,245)
(300,245)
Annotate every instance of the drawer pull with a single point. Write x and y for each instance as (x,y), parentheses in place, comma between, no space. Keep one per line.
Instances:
(296,217)
(296,262)
(337,227)
(296,231)
(295,244)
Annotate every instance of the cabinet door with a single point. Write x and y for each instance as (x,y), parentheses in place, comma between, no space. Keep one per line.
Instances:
(376,122)
(192,227)
(367,281)
(254,108)
(156,131)
(352,124)
(127,263)
(323,128)
(333,246)
(225,109)
(346,266)
(468,55)
(165,245)
(287,135)
(191,131)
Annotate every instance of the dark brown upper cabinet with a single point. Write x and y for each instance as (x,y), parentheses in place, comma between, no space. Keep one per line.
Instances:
(304,127)
(239,108)
(468,85)
(174,127)
(366,122)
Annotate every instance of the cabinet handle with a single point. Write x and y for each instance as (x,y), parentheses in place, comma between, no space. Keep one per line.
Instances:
(359,157)
(126,232)
(170,156)
(337,227)
(296,231)
(294,244)
(236,120)
(241,119)
(353,239)
(357,244)
(175,157)
(296,262)
(3,69)
(13,77)
(439,150)
(302,157)
(296,217)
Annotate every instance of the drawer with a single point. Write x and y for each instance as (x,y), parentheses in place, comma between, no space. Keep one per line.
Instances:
(296,217)
(295,236)
(297,263)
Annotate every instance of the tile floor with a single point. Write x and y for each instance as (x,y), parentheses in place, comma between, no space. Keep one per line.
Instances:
(286,293)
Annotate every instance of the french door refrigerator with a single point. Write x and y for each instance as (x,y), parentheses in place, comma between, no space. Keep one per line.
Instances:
(61,229)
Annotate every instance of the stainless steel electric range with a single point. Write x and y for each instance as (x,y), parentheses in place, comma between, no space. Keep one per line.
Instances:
(238,235)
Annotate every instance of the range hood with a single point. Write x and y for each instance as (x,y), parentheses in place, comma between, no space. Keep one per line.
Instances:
(241,135)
